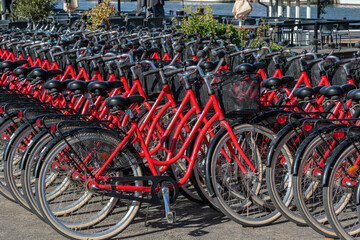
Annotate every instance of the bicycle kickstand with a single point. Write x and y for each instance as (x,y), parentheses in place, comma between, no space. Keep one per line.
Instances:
(170,215)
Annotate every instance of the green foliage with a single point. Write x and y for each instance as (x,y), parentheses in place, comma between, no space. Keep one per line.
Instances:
(100,14)
(205,24)
(34,9)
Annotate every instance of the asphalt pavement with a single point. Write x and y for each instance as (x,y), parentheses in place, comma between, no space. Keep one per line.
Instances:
(194,221)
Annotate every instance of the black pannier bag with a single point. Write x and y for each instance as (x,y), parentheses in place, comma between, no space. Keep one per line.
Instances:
(237,95)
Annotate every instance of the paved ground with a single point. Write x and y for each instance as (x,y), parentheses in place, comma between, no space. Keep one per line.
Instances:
(195,221)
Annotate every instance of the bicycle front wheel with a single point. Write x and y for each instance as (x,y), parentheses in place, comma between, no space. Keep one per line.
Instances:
(339,185)
(238,188)
(68,205)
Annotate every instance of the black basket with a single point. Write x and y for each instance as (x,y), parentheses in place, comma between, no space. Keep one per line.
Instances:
(340,77)
(201,92)
(177,87)
(178,90)
(291,68)
(236,94)
(315,77)
(151,84)
(235,61)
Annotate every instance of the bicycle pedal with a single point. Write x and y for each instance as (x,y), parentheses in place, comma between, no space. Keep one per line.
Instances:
(171,217)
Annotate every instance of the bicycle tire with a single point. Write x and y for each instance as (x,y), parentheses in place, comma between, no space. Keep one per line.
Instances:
(345,223)
(109,139)
(8,125)
(307,189)
(250,193)
(278,174)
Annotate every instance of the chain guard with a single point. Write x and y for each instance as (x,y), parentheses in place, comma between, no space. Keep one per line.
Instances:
(156,182)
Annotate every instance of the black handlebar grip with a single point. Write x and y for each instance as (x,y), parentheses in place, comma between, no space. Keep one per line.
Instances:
(106,59)
(292,58)
(58,54)
(127,65)
(150,72)
(201,54)
(170,73)
(218,53)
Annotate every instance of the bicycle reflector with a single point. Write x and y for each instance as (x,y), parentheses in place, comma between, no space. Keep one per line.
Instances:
(282,119)
(308,126)
(353,169)
(339,134)
(20,115)
(53,128)
(39,123)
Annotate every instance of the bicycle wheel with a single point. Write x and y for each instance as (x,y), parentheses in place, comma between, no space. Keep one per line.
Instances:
(196,184)
(278,171)
(12,159)
(28,163)
(339,183)
(8,126)
(73,210)
(198,177)
(239,191)
(308,168)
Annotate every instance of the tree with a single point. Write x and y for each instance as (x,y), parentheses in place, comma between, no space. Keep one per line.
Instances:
(33,9)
